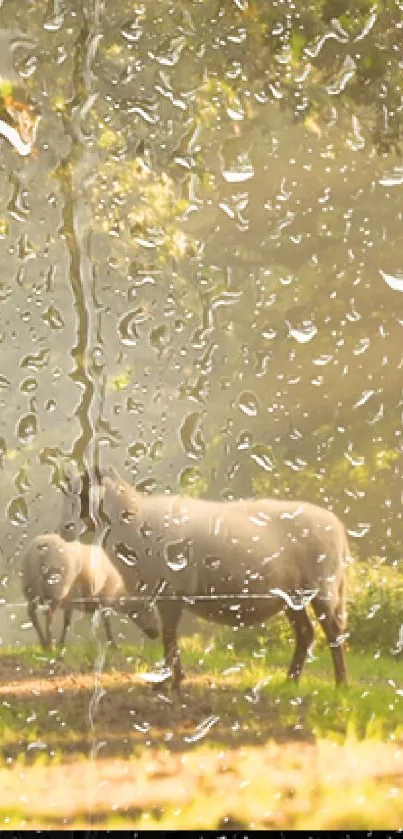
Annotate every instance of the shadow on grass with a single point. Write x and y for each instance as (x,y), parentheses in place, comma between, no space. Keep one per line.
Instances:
(62,708)
(53,708)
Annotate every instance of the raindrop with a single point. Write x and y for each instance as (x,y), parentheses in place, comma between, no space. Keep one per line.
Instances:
(126,554)
(27,428)
(145,530)
(242,169)
(362,530)
(4,383)
(262,456)
(157,677)
(247,403)
(366,394)
(212,562)
(302,335)
(355,461)
(159,338)
(244,440)
(127,329)
(146,485)
(127,516)
(202,729)
(55,22)
(177,554)
(261,520)
(22,482)
(137,450)
(132,31)
(36,361)
(53,318)
(156,449)
(394,179)
(394,282)
(17,511)
(292,515)
(189,476)
(191,436)
(29,385)
(269,333)
(322,360)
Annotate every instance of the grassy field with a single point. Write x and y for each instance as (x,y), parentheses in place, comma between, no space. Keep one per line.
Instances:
(86,740)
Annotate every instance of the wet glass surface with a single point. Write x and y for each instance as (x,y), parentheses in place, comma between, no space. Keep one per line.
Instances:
(201,288)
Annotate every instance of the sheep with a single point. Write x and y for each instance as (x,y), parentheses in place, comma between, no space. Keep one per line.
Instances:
(57,573)
(247,560)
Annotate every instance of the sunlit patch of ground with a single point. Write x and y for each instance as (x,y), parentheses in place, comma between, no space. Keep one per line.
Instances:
(288,785)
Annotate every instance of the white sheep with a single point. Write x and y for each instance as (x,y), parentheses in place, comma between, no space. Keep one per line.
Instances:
(57,573)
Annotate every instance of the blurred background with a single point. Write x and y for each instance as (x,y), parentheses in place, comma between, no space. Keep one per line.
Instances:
(201,270)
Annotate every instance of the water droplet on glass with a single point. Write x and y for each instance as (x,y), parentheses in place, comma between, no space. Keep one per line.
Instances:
(126,554)
(191,436)
(137,450)
(304,335)
(244,440)
(362,530)
(394,281)
(159,338)
(36,361)
(177,554)
(29,385)
(127,516)
(17,511)
(53,318)
(157,677)
(27,428)
(127,329)
(202,729)
(262,456)
(212,562)
(247,403)
(132,31)
(4,383)
(145,530)
(241,170)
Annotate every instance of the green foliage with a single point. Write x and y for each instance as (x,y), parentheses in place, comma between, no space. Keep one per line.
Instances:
(365,475)
(375,608)
(375,618)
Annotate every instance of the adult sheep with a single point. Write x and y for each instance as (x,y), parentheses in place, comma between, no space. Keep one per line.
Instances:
(241,561)
(58,573)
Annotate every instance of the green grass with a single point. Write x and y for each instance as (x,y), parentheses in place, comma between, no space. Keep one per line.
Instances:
(239,684)
(233,681)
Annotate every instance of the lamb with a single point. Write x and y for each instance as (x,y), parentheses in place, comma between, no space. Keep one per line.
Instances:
(242,562)
(57,573)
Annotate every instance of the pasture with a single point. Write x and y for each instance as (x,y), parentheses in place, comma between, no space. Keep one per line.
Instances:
(86,741)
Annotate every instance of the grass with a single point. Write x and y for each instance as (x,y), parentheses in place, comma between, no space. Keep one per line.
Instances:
(242,748)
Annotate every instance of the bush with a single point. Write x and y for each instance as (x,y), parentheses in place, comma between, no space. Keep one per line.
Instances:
(375,607)
(375,616)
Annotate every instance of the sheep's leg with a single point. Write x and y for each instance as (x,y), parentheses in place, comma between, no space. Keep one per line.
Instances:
(108,629)
(304,636)
(67,615)
(333,630)
(170,614)
(49,620)
(32,614)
